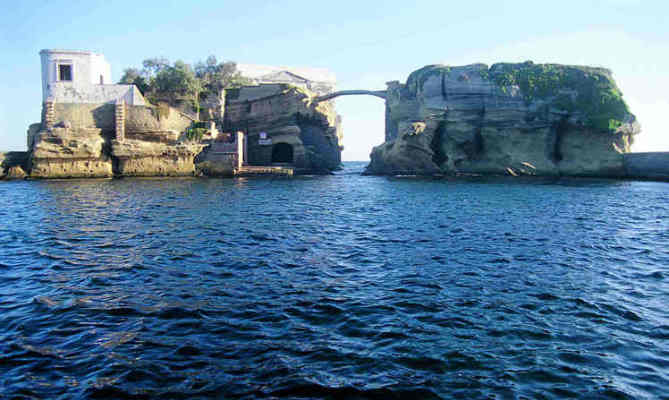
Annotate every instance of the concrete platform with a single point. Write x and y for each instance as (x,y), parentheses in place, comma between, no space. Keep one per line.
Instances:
(252,170)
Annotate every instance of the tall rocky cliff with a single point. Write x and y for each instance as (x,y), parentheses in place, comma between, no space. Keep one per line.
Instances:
(535,119)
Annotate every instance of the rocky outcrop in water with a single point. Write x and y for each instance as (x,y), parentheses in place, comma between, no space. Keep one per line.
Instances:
(653,166)
(13,165)
(106,140)
(66,152)
(146,158)
(288,116)
(83,143)
(507,119)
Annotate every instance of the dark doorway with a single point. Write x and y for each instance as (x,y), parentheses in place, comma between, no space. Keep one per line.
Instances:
(282,153)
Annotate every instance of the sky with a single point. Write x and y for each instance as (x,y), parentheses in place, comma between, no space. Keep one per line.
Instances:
(366,44)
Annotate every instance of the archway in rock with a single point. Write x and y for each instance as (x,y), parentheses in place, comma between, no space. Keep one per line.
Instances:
(363,121)
(282,153)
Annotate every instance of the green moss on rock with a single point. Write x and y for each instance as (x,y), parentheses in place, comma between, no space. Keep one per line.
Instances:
(418,78)
(589,90)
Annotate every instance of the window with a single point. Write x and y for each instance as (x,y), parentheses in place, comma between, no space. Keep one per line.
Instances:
(64,72)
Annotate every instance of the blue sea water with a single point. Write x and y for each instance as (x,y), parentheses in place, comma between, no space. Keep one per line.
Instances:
(342,286)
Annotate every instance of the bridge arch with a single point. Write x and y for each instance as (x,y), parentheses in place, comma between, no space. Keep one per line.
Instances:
(330,96)
(363,121)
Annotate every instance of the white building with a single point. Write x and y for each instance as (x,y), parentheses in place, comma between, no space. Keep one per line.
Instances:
(82,77)
(319,80)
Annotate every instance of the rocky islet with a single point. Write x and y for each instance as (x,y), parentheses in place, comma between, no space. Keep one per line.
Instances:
(532,119)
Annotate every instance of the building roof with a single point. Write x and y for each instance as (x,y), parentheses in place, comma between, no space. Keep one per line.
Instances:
(255,71)
(282,75)
(61,51)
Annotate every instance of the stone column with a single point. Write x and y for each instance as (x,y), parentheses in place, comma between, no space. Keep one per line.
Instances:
(120,119)
(241,149)
(49,114)
(221,110)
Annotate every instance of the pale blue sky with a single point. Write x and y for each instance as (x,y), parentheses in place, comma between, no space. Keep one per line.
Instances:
(364,43)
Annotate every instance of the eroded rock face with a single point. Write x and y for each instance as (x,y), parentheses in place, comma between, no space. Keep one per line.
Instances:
(82,144)
(286,115)
(13,165)
(70,153)
(152,158)
(15,172)
(507,119)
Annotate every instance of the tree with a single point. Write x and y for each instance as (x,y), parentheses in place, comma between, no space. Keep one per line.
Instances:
(132,76)
(218,76)
(160,80)
(177,82)
(152,66)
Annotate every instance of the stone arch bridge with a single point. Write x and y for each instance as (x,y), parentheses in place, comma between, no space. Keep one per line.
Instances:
(377,93)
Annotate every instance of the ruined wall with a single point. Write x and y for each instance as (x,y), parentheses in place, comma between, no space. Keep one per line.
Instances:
(66,92)
(220,158)
(99,116)
(151,119)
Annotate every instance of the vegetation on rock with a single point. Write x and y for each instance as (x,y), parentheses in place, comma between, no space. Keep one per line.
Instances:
(179,82)
(195,133)
(588,90)
(418,78)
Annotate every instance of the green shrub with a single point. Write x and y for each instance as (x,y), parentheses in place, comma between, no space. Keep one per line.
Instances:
(194,134)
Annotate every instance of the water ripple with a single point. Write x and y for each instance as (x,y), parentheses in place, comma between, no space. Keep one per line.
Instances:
(334,287)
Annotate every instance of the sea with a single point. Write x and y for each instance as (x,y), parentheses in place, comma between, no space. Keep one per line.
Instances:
(334,287)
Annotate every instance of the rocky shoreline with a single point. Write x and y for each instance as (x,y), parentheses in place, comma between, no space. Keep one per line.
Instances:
(651,166)
(107,140)
(507,119)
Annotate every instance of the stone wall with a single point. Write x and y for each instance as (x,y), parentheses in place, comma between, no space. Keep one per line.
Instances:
(65,92)
(85,116)
(154,119)
(220,159)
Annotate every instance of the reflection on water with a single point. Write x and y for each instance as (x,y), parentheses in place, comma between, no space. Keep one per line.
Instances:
(334,287)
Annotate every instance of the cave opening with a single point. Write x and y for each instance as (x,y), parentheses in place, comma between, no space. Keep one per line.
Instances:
(282,153)
(438,156)
(555,152)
